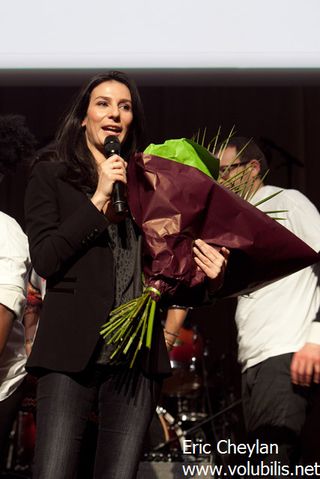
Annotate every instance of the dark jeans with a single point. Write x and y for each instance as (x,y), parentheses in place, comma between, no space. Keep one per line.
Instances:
(275,410)
(126,403)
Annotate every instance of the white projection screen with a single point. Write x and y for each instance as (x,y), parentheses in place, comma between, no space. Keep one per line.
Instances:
(164,34)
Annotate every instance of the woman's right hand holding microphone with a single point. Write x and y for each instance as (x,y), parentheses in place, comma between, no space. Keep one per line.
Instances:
(110,170)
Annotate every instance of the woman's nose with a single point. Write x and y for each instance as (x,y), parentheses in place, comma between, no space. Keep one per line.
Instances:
(114,111)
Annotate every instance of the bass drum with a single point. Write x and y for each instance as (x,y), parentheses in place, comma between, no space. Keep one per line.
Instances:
(186,362)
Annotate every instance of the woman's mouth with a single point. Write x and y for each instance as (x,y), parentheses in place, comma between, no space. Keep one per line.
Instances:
(113,130)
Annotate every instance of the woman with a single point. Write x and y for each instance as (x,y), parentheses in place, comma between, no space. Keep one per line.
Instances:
(90,259)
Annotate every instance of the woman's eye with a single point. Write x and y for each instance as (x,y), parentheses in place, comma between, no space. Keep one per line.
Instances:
(126,107)
(102,103)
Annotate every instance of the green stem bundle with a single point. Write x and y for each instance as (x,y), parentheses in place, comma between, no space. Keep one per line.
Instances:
(131,325)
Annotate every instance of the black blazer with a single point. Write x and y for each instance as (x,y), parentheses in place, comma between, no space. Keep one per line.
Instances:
(69,248)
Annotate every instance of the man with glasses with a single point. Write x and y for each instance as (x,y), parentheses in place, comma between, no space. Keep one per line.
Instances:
(278,325)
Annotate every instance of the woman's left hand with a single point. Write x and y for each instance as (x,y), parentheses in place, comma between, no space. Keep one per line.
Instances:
(211,261)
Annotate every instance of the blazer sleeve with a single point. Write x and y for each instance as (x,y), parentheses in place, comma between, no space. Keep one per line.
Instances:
(55,240)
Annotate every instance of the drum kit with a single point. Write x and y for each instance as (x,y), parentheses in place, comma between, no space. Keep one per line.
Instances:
(182,408)
(186,410)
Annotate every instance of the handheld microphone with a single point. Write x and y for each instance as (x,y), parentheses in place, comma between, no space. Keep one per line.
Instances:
(112,147)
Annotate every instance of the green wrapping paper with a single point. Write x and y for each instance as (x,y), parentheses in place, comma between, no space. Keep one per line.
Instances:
(186,152)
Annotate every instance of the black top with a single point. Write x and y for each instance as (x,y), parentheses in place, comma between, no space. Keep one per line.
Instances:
(69,247)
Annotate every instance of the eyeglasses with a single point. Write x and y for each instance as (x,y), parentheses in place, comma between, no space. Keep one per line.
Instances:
(227,168)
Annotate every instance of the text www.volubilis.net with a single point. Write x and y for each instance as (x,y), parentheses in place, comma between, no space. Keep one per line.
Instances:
(273,469)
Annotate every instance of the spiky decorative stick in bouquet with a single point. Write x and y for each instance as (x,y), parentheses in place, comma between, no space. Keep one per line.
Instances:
(174,198)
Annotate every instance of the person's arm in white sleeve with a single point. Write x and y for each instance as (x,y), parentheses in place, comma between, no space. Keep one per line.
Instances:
(14,264)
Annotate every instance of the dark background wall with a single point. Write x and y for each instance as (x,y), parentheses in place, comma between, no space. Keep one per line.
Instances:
(280,112)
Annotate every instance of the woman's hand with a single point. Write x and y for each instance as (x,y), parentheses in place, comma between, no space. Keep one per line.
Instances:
(110,170)
(212,262)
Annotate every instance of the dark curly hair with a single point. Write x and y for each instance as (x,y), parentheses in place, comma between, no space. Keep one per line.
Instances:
(17,143)
(71,145)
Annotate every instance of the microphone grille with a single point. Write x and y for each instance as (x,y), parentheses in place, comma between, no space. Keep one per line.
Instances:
(111,145)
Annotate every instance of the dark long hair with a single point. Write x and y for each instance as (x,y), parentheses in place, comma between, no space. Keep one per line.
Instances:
(71,145)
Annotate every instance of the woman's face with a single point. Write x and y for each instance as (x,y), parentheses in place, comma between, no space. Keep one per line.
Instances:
(109,113)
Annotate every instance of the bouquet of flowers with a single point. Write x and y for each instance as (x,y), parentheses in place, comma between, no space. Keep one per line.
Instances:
(174,198)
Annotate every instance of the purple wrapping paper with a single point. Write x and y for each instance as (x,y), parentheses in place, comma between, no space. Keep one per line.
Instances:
(174,204)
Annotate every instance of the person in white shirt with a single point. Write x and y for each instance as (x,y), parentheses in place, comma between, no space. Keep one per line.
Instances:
(14,265)
(16,143)
(278,325)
